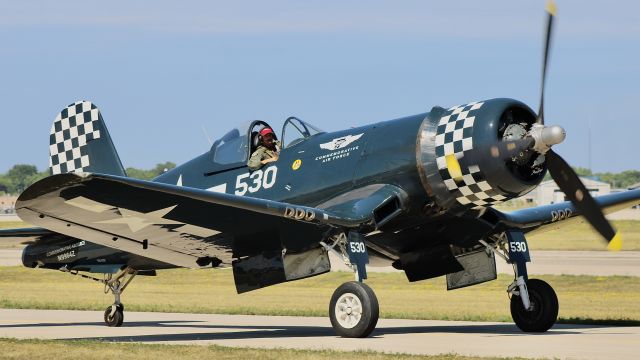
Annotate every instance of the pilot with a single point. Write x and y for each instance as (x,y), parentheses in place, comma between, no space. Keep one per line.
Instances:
(267,150)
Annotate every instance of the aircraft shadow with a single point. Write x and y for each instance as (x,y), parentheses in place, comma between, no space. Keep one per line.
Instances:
(273,331)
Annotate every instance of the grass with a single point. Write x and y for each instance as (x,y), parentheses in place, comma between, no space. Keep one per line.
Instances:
(580,236)
(583,299)
(13,224)
(83,350)
(577,236)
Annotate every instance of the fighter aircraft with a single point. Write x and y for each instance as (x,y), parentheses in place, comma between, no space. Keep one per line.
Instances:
(416,193)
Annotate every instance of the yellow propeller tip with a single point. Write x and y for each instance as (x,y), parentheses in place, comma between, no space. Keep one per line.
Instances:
(616,243)
(551,7)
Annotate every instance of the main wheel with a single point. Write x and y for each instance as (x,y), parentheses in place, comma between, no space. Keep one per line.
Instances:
(544,308)
(114,318)
(354,310)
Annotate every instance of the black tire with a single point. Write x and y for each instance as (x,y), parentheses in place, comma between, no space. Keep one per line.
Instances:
(545,308)
(368,317)
(116,319)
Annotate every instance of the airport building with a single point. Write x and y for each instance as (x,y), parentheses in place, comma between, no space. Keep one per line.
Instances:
(8,204)
(549,193)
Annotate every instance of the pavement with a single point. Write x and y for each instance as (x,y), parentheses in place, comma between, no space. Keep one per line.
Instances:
(425,337)
(597,263)
(9,217)
(10,257)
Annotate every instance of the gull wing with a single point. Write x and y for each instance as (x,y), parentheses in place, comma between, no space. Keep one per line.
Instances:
(177,225)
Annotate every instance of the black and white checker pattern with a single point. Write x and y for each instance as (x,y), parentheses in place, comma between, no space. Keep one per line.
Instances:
(72,129)
(454,137)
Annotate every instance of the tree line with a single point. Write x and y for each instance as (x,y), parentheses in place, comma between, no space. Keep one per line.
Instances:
(21,176)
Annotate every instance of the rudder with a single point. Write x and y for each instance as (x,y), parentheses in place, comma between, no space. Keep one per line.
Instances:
(80,142)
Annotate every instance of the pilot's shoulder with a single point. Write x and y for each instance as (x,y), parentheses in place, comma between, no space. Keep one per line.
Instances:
(257,154)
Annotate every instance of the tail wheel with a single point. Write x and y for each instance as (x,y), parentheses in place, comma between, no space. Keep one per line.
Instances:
(544,308)
(114,315)
(354,310)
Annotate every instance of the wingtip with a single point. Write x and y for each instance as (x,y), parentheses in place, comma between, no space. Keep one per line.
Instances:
(616,243)
(552,8)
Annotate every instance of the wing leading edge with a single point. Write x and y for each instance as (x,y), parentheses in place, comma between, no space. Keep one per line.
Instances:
(554,216)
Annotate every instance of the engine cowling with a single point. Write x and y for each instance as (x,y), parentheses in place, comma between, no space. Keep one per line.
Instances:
(454,154)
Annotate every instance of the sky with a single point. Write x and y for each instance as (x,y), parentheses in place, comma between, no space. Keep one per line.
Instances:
(162,71)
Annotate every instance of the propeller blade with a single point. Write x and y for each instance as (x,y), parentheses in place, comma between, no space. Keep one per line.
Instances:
(551,13)
(574,189)
(507,149)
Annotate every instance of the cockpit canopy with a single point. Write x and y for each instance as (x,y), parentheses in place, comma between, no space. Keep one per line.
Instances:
(236,145)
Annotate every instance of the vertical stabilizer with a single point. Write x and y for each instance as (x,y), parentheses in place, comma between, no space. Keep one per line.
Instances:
(80,142)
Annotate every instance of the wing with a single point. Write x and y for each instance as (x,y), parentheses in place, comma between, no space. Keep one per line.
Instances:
(181,226)
(554,216)
(266,241)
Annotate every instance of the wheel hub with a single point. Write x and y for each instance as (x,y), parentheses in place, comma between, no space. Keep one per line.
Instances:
(348,310)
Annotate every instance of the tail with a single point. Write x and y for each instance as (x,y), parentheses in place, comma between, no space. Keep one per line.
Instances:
(80,142)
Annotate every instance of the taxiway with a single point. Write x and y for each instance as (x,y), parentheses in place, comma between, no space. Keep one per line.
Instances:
(392,336)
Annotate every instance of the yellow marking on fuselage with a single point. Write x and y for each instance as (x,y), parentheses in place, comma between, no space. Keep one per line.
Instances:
(454,167)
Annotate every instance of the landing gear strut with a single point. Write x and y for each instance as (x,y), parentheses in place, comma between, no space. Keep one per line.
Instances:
(534,303)
(116,284)
(353,308)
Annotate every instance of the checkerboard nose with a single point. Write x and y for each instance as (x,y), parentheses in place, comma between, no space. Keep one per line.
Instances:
(464,175)
(454,144)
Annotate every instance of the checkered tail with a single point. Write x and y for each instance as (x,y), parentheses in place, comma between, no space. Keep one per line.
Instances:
(79,142)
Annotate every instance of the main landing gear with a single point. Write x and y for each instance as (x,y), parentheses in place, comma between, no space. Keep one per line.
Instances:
(353,309)
(534,303)
(543,309)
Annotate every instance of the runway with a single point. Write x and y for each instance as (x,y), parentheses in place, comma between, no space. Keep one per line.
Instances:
(599,263)
(395,336)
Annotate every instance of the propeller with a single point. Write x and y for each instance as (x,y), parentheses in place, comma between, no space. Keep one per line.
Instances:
(570,184)
(551,14)
(541,138)
(560,171)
